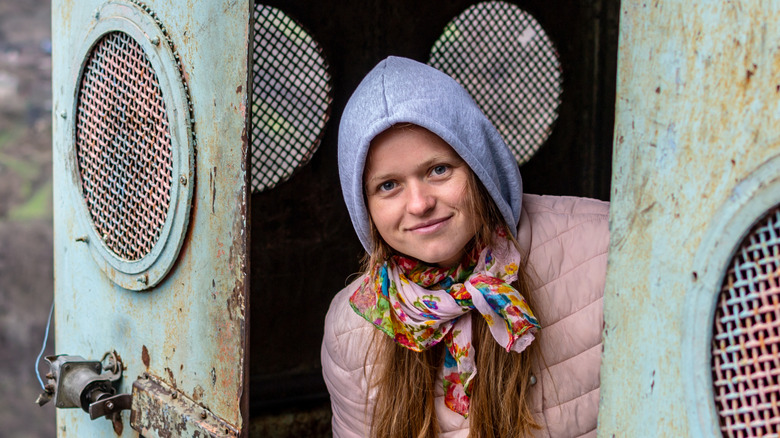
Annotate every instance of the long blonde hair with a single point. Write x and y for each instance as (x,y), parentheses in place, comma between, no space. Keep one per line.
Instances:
(405,380)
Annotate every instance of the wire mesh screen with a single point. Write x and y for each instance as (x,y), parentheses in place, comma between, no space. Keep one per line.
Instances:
(123,146)
(503,57)
(291,97)
(746,336)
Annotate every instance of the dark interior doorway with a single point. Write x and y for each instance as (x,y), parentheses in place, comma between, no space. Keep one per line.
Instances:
(303,246)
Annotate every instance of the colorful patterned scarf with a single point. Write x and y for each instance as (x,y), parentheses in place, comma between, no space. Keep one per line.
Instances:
(419,306)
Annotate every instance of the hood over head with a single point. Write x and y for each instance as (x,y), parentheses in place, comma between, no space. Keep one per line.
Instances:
(400,90)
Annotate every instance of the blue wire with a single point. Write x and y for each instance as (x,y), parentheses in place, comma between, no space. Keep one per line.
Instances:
(43,347)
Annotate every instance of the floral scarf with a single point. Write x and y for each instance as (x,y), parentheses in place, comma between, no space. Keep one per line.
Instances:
(419,306)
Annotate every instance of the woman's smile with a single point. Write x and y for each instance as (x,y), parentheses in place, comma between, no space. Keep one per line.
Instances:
(416,187)
(430,226)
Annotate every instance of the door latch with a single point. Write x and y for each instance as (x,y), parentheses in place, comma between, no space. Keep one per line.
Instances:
(74,382)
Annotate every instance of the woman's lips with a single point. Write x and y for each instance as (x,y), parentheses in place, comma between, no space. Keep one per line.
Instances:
(430,226)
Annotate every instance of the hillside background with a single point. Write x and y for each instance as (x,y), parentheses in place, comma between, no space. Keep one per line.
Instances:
(26,273)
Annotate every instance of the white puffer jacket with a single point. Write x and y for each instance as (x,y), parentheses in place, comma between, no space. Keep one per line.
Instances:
(567,240)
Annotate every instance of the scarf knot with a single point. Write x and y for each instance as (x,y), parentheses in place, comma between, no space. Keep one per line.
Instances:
(419,306)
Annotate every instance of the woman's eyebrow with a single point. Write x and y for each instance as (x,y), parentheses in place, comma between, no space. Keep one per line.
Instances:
(444,158)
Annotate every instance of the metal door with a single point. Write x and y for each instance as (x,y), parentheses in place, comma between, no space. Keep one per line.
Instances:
(150,208)
(691,329)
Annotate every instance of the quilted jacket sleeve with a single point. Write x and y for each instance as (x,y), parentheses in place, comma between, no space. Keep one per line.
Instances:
(346,340)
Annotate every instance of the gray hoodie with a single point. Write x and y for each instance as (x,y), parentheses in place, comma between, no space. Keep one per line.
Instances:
(400,90)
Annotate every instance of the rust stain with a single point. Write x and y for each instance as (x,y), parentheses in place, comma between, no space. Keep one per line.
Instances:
(145,356)
(170,376)
(118,425)
(239,89)
(220,251)
(749,73)
(197,394)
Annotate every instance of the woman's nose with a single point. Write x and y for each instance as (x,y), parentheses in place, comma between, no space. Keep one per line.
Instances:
(420,199)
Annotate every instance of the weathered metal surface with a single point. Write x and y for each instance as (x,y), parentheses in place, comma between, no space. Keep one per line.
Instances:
(695,163)
(189,331)
(160,412)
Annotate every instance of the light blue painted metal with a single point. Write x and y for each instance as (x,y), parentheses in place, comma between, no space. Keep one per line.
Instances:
(697,141)
(132,20)
(188,331)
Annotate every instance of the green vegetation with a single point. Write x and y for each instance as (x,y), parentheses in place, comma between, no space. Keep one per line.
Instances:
(38,206)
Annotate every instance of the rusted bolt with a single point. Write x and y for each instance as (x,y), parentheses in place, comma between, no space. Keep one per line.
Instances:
(63,114)
(183,180)
(155,40)
(84,239)
(203,414)
(110,406)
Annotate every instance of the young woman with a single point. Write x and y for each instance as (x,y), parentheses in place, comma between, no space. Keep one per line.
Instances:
(479,310)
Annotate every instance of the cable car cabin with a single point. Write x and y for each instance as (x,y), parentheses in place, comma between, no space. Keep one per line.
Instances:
(200,232)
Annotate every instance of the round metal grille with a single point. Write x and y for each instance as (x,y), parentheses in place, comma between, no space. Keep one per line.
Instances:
(746,336)
(503,57)
(123,146)
(291,97)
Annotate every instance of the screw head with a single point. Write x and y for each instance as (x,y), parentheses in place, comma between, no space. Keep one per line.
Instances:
(203,414)
(110,406)
(63,114)
(183,180)
(155,40)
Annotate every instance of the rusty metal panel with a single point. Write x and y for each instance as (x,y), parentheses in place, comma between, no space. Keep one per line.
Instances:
(189,329)
(160,412)
(696,149)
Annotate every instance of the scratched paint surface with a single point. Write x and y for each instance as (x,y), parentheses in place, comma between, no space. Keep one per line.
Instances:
(188,331)
(697,110)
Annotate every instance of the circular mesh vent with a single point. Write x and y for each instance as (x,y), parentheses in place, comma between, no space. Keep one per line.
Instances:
(123,146)
(503,57)
(746,336)
(290,97)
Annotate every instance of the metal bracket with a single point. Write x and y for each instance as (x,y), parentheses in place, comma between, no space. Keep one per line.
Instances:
(74,382)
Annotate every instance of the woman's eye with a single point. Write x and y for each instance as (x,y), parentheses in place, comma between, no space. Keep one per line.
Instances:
(386,186)
(440,169)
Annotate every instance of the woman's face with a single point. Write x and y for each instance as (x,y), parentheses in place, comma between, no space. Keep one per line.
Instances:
(416,187)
